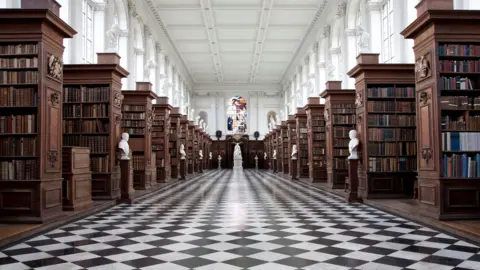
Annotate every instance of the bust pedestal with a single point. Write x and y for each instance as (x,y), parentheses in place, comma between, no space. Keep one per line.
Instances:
(351,183)
(275,168)
(126,182)
(200,167)
(293,169)
(238,163)
(183,169)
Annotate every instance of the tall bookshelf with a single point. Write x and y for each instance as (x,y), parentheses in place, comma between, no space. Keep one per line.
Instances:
(302,144)
(92,101)
(385,101)
(196,148)
(317,163)
(266,146)
(30,114)
(183,139)
(174,142)
(292,139)
(448,96)
(137,119)
(190,147)
(339,116)
(285,150)
(161,138)
(279,147)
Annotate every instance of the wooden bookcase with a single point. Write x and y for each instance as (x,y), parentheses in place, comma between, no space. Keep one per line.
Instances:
(219,147)
(92,101)
(302,144)
(279,147)
(266,146)
(161,138)
(292,139)
(339,116)
(77,178)
(448,96)
(317,163)
(137,119)
(385,101)
(183,140)
(30,93)
(285,150)
(174,142)
(190,147)
(196,148)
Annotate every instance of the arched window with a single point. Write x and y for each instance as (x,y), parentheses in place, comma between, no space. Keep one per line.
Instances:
(237,115)
(87,32)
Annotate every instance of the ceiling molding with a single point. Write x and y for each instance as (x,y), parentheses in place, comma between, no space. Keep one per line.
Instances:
(236,87)
(261,36)
(300,51)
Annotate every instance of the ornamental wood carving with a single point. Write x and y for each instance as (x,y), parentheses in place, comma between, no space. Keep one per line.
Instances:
(326,115)
(359,99)
(422,67)
(118,98)
(427,154)
(52,158)
(54,99)
(424,98)
(54,67)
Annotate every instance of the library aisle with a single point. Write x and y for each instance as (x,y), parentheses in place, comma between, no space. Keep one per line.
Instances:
(242,220)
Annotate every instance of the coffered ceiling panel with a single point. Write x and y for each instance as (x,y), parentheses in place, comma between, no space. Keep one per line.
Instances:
(237,41)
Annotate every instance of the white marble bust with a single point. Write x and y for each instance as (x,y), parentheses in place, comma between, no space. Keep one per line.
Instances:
(197,120)
(265,155)
(210,155)
(353,144)
(183,154)
(124,147)
(200,154)
(274,154)
(256,157)
(200,123)
(294,152)
(219,157)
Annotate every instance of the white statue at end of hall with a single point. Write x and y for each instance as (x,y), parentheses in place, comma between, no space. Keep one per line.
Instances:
(124,147)
(353,144)
(274,154)
(200,154)
(183,154)
(197,120)
(237,153)
(294,152)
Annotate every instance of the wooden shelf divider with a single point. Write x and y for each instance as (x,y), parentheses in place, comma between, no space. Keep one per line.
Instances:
(161,139)
(317,162)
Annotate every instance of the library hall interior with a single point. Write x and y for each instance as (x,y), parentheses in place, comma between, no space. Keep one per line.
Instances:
(240,134)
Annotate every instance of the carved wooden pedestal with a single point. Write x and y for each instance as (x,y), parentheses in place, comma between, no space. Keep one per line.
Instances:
(182,169)
(200,167)
(351,184)
(275,166)
(126,182)
(293,170)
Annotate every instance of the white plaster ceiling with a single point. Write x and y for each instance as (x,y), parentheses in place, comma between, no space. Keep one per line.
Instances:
(237,41)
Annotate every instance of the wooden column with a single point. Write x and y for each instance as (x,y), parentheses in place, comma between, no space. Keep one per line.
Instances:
(174,142)
(317,160)
(160,139)
(302,143)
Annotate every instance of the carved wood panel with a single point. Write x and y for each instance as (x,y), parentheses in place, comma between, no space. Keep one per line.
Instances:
(53,130)
(425,130)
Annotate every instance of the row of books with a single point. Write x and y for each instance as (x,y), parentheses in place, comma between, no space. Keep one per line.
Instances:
(392,164)
(392,149)
(86,94)
(21,62)
(344,119)
(461,141)
(19,170)
(391,120)
(134,131)
(341,132)
(318,123)
(343,142)
(19,49)
(461,166)
(100,164)
(455,83)
(343,108)
(18,146)
(391,134)
(318,129)
(15,124)
(133,108)
(391,92)
(459,50)
(340,163)
(459,123)
(459,65)
(459,103)
(319,136)
(133,123)
(133,116)
(95,110)
(138,162)
(85,126)
(97,144)
(340,152)
(160,123)
(18,97)
(391,106)
(18,77)
(72,111)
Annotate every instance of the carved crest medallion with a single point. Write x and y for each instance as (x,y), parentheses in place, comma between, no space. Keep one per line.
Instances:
(326,115)
(54,67)
(424,98)
(118,98)
(358,99)
(422,67)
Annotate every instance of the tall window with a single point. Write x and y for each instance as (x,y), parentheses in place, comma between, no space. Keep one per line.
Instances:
(387,31)
(87,31)
(237,115)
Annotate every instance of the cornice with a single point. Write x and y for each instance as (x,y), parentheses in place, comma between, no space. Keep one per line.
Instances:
(236,87)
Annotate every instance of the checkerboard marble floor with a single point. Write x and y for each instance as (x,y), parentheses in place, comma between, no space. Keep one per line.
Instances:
(230,220)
